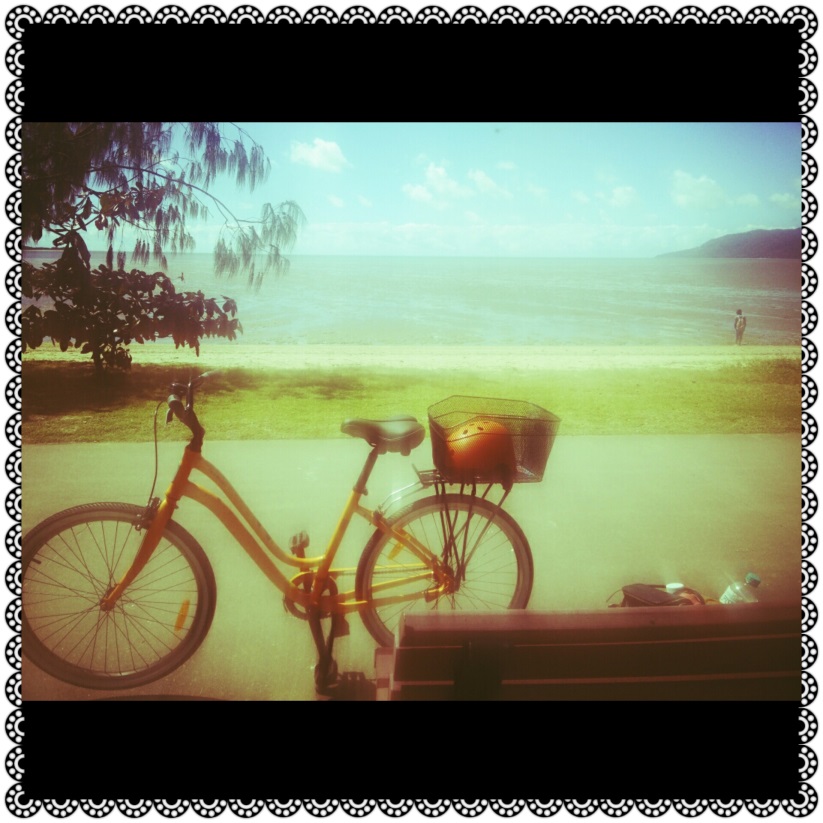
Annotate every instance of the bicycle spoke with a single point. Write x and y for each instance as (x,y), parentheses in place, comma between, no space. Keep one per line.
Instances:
(90,636)
(157,622)
(142,632)
(81,569)
(59,590)
(54,632)
(486,562)
(102,552)
(116,560)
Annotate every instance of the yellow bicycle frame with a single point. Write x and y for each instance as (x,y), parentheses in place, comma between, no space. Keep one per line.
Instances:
(316,569)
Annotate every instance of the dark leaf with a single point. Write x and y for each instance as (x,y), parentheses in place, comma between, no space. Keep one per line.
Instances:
(108,175)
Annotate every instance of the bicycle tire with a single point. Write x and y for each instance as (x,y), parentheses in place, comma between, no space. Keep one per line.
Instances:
(72,559)
(499,574)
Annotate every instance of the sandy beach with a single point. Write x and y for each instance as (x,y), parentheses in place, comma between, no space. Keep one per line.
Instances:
(465,358)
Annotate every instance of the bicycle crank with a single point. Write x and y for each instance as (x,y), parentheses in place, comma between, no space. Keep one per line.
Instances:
(304,580)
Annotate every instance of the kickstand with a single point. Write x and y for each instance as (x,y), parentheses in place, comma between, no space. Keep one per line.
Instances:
(325,672)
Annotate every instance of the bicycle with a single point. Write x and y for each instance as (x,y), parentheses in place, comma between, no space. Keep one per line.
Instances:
(116,595)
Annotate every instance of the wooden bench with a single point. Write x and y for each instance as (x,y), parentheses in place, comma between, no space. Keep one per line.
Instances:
(714,652)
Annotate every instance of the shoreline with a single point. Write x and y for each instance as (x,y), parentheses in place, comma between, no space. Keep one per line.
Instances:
(429,358)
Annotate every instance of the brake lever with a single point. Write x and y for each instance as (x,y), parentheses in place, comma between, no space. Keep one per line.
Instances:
(196,381)
(187,390)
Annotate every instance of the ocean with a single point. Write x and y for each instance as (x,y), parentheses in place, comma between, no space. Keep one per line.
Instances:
(505,301)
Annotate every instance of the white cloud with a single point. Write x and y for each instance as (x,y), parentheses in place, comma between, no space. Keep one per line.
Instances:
(696,192)
(419,193)
(581,197)
(438,180)
(748,200)
(786,201)
(622,196)
(438,189)
(336,201)
(321,154)
(538,191)
(472,235)
(486,185)
(506,165)
(618,197)
(364,201)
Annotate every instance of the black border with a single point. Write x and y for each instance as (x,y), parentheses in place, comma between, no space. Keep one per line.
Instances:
(401,73)
(465,73)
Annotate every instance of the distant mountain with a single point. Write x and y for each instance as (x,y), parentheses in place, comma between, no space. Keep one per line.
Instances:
(783,243)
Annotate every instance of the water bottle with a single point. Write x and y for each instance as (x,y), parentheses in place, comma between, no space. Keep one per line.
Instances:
(738,592)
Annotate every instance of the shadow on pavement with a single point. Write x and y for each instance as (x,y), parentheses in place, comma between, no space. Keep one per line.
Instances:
(349,686)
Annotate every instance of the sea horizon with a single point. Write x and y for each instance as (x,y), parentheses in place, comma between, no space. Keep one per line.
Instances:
(483,301)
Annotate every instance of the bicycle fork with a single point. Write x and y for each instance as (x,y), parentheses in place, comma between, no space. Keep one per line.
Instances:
(154,531)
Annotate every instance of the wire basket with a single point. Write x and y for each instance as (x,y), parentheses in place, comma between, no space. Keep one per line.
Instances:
(491,440)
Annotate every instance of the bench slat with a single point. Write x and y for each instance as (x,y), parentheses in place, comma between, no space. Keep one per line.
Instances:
(589,660)
(677,653)
(639,623)
(775,686)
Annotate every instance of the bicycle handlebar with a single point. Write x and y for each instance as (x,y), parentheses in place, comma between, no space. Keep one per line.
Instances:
(185,412)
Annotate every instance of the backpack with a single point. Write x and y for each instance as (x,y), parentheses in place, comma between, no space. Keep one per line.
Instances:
(655,594)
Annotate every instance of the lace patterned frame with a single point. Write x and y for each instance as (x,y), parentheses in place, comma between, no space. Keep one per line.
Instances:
(16,802)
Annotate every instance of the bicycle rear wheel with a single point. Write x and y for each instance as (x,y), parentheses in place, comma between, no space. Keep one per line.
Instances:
(72,560)
(498,567)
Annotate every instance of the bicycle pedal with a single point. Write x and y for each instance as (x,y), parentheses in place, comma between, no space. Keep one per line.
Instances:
(299,543)
(325,677)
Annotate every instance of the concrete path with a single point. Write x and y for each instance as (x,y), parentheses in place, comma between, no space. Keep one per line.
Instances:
(700,509)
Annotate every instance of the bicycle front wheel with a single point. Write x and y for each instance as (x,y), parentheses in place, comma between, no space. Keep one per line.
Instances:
(73,559)
(478,542)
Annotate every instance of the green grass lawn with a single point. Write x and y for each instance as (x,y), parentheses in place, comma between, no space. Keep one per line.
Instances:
(65,403)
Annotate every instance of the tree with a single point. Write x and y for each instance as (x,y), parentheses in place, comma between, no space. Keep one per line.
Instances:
(142,182)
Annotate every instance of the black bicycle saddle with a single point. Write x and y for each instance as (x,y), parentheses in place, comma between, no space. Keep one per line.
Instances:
(400,433)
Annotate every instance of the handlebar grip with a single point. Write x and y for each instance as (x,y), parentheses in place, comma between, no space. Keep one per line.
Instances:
(176,408)
(188,418)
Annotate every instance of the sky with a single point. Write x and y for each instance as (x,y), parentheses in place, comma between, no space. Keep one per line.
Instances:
(523,189)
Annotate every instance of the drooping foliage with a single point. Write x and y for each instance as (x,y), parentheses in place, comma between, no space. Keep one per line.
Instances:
(114,308)
(141,184)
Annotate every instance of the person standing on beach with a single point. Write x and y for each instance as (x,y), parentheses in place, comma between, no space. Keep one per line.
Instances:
(739,327)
